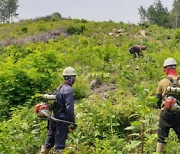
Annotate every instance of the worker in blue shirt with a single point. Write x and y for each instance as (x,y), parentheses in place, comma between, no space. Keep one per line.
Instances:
(64,110)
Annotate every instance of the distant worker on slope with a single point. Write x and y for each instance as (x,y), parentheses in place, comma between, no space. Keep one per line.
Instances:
(137,49)
(63,110)
(168,93)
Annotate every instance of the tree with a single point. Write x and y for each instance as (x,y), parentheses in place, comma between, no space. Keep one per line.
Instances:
(175,14)
(2,11)
(8,10)
(156,14)
(56,15)
(142,13)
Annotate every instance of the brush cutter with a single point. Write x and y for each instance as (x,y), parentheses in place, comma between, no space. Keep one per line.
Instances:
(42,110)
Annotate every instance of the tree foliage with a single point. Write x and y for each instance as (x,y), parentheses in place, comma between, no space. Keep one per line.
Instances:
(8,10)
(142,13)
(155,14)
(175,14)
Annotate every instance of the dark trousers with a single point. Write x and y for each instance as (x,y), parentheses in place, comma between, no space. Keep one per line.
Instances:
(168,119)
(57,135)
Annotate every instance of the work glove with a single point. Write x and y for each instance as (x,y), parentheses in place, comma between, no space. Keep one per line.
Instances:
(71,128)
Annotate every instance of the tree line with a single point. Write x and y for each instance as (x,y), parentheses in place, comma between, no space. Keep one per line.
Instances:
(158,14)
(154,14)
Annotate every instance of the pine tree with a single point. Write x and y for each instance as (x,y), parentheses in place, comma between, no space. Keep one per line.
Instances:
(155,14)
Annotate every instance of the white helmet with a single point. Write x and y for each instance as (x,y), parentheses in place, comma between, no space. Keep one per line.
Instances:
(69,71)
(170,62)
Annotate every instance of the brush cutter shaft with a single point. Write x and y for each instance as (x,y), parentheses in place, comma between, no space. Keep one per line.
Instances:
(55,119)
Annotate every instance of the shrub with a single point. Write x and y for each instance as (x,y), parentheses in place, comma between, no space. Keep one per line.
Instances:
(177,35)
(23,76)
(56,16)
(22,133)
(72,30)
(81,88)
(24,29)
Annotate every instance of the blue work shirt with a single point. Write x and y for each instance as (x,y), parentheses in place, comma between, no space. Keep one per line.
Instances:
(64,107)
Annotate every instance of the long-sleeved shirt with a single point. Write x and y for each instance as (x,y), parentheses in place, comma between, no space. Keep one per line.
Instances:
(64,107)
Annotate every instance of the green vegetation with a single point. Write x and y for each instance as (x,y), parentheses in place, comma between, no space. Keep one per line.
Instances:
(158,14)
(8,10)
(121,120)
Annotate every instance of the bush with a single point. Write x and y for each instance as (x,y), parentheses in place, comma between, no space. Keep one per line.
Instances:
(177,35)
(56,16)
(81,88)
(23,75)
(72,30)
(24,29)
(23,127)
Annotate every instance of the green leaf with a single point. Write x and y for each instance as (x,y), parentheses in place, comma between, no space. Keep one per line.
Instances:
(130,128)
(133,145)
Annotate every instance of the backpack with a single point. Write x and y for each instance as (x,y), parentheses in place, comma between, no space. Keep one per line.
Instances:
(56,106)
(172,97)
(51,99)
(174,89)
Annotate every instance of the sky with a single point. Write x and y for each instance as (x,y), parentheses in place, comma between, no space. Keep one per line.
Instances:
(93,10)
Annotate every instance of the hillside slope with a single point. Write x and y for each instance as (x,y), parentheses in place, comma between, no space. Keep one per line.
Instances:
(118,115)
